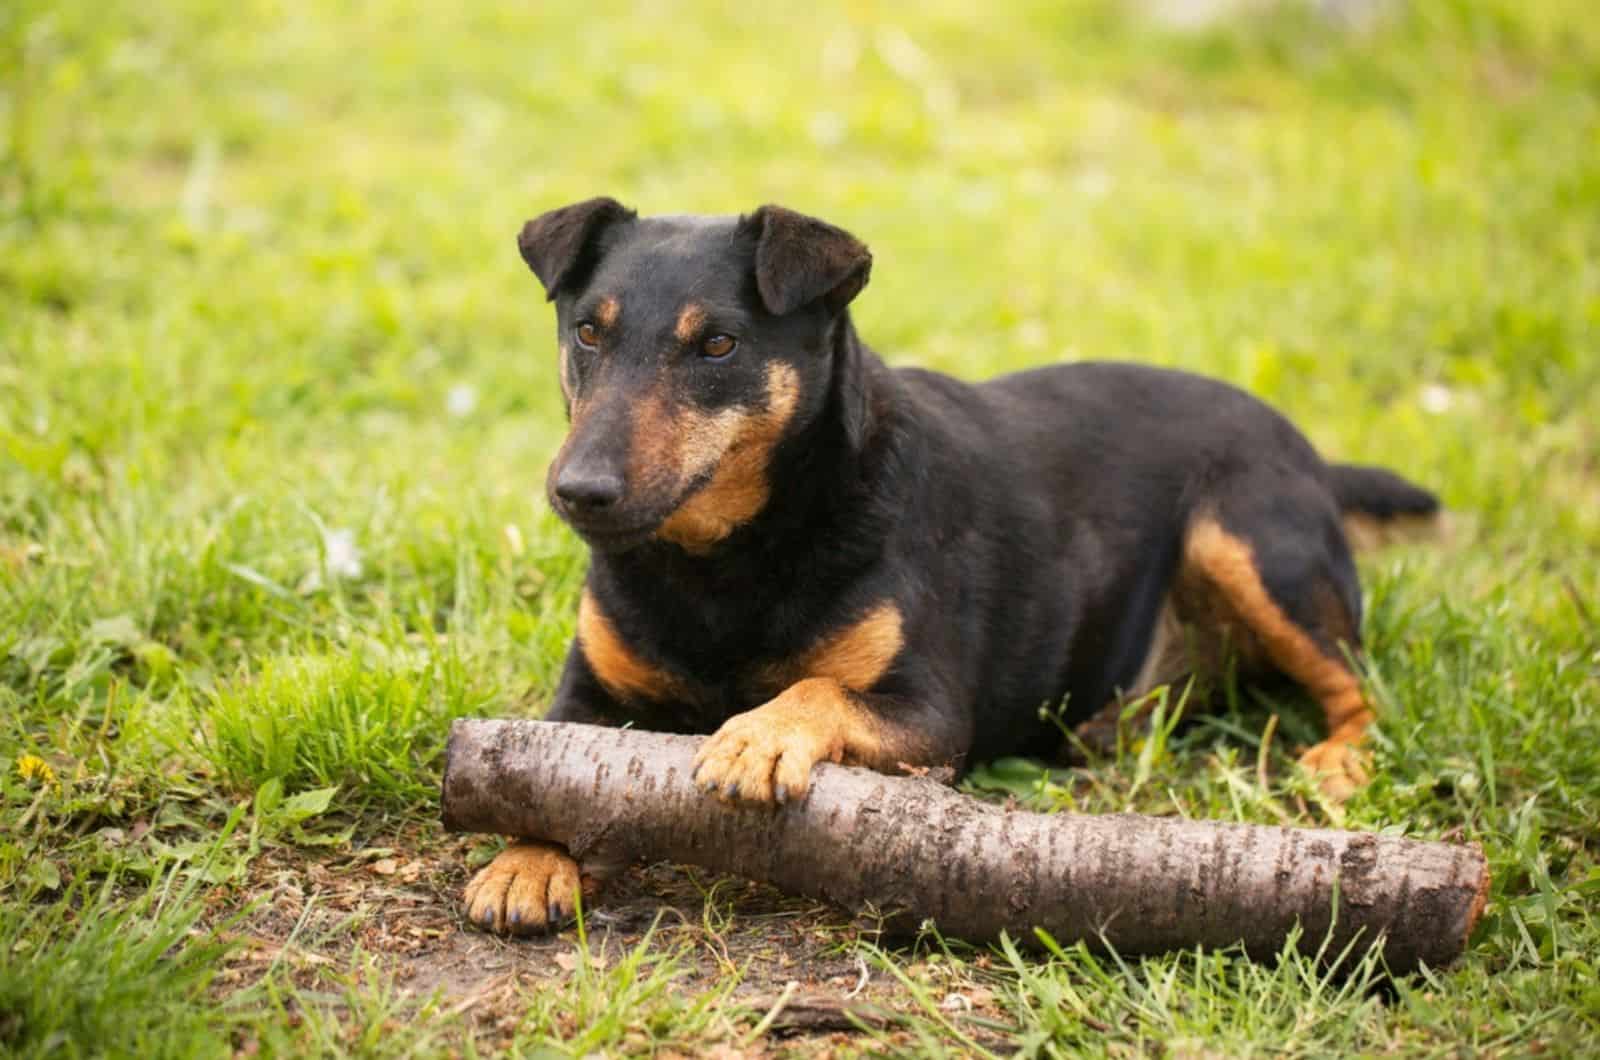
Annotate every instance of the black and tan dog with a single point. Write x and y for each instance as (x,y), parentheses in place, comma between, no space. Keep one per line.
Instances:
(817,558)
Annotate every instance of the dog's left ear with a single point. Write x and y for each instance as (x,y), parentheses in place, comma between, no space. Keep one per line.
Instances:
(800,259)
(559,246)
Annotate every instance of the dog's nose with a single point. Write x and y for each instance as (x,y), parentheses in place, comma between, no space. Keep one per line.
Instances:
(588,491)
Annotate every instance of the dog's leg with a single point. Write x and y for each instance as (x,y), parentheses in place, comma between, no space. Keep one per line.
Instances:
(532,886)
(765,755)
(1283,571)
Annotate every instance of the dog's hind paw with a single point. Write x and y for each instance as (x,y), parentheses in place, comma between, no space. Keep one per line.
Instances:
(528,889)
(1339,768)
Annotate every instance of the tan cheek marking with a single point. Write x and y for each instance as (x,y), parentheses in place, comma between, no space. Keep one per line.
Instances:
(622,672)
(606,313)
(691,318)
(671,447)
(856,656)
(739,445)
(1229,564)
(564,367)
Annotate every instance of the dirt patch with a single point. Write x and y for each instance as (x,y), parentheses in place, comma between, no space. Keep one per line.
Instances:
(395,907)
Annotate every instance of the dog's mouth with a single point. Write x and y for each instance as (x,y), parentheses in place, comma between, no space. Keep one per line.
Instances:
(637,517)
(613,538)
(607,531)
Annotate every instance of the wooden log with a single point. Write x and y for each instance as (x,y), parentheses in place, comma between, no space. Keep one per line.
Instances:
(913,847)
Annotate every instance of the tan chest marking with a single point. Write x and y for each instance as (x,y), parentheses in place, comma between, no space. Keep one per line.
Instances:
(855,657)
(618,668)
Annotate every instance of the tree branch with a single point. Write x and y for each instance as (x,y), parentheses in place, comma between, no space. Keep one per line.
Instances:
(912,847)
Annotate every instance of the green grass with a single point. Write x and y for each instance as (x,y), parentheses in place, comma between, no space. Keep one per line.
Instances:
(276,399)
(93,971)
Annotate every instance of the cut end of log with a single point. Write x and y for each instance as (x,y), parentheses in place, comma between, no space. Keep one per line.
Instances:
(1480,900)
(451,770)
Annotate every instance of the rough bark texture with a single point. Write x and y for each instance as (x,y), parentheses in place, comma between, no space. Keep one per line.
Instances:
(913,846)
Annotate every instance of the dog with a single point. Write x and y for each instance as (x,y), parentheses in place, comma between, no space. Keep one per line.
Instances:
(816,558)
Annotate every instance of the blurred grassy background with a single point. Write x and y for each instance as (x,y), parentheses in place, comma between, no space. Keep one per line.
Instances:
(277,394)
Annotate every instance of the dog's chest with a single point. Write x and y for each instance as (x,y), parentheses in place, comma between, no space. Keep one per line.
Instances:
(711,683)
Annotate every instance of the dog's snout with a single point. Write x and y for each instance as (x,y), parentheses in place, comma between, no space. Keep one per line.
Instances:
(588,489)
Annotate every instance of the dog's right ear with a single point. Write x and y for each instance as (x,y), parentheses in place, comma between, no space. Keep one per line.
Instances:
(560,246)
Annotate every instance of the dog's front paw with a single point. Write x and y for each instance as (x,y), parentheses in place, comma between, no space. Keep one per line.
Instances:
(529,888)
(1339,768)
(754,759)
(765,755)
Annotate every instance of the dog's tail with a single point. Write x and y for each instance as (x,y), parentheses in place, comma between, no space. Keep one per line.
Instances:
(1381,508)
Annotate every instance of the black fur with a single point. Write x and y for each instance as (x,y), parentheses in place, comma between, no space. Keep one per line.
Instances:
(562,245)
(1028,528)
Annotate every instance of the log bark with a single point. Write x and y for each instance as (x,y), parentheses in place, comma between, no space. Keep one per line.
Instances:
(912,847)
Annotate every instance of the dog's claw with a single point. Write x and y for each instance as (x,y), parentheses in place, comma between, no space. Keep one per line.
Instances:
(781,793)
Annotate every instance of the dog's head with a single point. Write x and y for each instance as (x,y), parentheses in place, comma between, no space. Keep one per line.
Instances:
(690,347)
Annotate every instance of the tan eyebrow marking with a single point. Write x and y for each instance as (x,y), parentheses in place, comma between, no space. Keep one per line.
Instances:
(691,318)
(605,314)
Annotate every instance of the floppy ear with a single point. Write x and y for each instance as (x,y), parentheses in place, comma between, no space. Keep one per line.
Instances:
(559,246)
(800,259)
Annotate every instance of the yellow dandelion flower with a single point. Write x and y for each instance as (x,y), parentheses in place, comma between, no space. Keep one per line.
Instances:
(32,767)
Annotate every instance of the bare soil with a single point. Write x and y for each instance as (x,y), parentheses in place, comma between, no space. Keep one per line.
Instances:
(394,908)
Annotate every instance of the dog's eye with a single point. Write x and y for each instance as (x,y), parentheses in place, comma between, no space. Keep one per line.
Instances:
(719,347)
(588,335)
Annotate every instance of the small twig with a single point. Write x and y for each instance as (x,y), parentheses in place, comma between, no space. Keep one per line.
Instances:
(784,998)
(861,982)
(496,987)
(33,807)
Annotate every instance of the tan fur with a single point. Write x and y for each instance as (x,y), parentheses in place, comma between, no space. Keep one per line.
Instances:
(607,312)
(766,754)
(691,318)
(856,656)
(564,365)
(617,667)
(738,445)
(1228,563)
(517,890)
